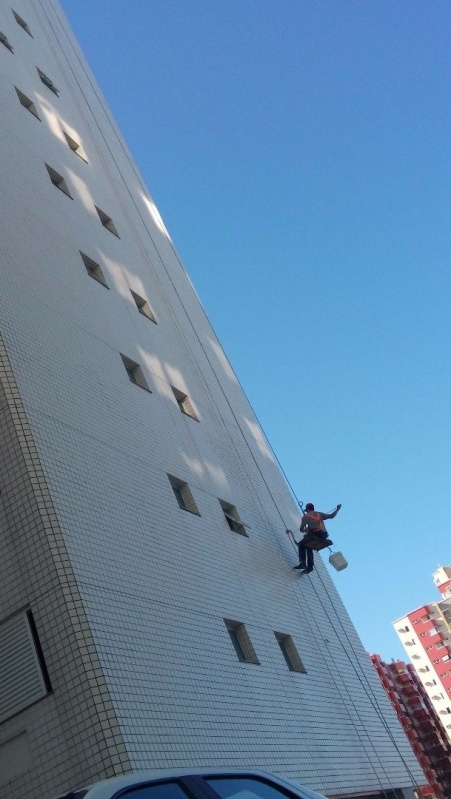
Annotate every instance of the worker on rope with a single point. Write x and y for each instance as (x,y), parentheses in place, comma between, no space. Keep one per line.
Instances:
(314,529)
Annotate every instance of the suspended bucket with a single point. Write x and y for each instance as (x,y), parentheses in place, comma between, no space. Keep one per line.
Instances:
(338,561)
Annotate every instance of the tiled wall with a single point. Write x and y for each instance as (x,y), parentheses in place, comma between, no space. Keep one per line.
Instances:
(129,591)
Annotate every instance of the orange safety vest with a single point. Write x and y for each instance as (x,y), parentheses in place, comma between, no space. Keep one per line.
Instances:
(318,521)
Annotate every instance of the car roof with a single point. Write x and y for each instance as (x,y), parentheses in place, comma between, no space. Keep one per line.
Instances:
(104,789)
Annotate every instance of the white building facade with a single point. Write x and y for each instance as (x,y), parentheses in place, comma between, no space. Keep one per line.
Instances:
(149,613)
(425,634)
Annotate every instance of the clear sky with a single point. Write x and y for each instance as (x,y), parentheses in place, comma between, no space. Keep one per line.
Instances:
(299,153)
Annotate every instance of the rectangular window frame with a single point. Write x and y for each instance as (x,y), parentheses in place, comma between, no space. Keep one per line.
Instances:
(107,222)
(21,22)
(27,103)
(76,147)
(143,306)
(94,270)
(135,373)
(5,41)
(184,403)
(241,641)
(232,518)
(47,82)
(58,181)
(290,653)
(183,495)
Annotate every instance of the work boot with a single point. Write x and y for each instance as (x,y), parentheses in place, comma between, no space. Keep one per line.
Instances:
(299,566)
(308,570)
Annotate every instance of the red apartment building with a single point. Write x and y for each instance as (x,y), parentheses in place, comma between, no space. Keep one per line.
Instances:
(421,724)
(425,634)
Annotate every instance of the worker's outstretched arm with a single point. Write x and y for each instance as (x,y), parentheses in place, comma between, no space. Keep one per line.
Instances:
(331,515)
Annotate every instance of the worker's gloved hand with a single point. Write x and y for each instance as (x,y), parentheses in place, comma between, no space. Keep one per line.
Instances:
(338,506)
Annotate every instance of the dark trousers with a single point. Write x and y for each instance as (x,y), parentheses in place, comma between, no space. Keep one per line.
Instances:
(305,554)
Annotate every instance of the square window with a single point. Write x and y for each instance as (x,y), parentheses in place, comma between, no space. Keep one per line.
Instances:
(232,518)
(183,495)
(93,269)
(184,403)
(135,373)
(143,306)
(75,147)
(22,23)
(290,653)
(242,644)
(58,181)
(107,222)
(47,82)
(27,103)
(4,40)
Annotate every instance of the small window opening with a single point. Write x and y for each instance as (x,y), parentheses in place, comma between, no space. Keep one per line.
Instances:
(183,495)
(184,403)
(242,644)
(47,82)
(232,518)
(143,306)
(75,147)
(58,181)
(4,40)
(107,222)
(290,653)
(22,23)
(27,103)
(135,373)
(93,269)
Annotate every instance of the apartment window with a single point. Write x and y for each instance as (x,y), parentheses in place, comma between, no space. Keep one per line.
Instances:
(107,222)
(184,403)
(58,180)
(135,373)
(27,103)
(23,674)
(93,269)
(183,495)
(290,653)
(22,23)
(242,644)
(143,306)
(47,82)
(75,146)
(232,518)
(4,40)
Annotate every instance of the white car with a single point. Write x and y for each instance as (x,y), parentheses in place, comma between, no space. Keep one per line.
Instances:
(195,784)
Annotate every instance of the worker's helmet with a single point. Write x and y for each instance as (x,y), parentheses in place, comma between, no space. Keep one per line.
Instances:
(310,506)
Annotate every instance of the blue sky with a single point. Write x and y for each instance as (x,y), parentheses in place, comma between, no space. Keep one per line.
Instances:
(299,153)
